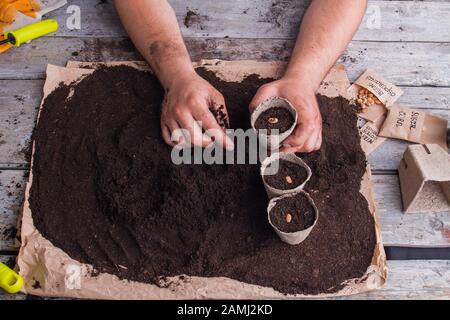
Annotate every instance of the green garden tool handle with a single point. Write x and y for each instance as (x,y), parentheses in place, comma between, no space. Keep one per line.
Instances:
(31,31)
(10,281)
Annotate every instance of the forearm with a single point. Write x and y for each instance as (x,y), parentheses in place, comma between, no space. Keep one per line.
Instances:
(327,28)
(153,27)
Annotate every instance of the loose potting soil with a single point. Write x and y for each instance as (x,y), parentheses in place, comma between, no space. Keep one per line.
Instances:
(289,176)
(300,211)
(106,192)
(283,117)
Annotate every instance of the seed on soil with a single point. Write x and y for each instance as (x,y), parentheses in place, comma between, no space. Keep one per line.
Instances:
(276,118)
(290,175)
(282,214)
(273,120)
(288,218)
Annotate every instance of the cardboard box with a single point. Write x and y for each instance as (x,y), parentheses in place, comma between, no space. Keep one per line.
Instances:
(425,179)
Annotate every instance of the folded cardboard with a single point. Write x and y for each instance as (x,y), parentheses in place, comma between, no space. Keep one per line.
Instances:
(425,179)
(370,138)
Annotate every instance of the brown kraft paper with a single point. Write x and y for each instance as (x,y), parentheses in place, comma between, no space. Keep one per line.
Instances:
(370,138)
(58,275)
(373,107)
(415,126)
(385,91)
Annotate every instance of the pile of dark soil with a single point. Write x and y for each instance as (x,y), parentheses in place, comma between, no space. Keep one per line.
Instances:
(290,175)
(276,118)
(105,191)
(292,214)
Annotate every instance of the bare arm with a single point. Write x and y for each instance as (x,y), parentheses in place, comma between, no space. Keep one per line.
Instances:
(153,27)
(326,30)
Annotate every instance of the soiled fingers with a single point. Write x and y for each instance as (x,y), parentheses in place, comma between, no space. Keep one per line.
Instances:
(167,128)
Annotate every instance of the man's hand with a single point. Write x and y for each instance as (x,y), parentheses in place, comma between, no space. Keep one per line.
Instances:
(307,136)
(327,28)
(194,105)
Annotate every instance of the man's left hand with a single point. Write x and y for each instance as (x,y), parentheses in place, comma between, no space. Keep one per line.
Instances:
(307,136)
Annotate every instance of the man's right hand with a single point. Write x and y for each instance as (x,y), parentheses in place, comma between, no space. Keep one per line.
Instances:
(189,102)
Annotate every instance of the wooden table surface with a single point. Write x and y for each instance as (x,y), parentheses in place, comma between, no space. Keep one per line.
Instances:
(410,46)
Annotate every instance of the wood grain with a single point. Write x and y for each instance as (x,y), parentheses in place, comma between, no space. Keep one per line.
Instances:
(12,191)
(270,19)
(414,280)
(405,64)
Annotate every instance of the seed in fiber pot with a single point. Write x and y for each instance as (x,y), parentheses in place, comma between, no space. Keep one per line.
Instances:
(276,118)
(289,176)
(292,214)
(273,120)
(288,218)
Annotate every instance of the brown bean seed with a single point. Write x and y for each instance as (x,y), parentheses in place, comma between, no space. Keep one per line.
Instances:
(289,179)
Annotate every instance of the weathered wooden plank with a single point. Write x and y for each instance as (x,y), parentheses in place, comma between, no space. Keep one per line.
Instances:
(423,280)
(407,64)
(418,280)
(12,190)
(398,229)
(426,97)
(268,19)
(10,261)
(19,100)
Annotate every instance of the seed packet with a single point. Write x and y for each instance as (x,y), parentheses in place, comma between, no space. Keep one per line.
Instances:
(373,93)
(370,138)
(386,92)
(415,126)
(374,112)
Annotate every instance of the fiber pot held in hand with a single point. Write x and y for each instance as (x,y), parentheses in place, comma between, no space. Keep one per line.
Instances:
(293,216)
(284,173)
(274,114)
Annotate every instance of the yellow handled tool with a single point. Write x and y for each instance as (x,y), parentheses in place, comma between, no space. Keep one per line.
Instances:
(10,281)
(30,32)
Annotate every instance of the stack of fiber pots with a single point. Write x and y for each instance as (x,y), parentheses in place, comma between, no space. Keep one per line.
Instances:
(291,212)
